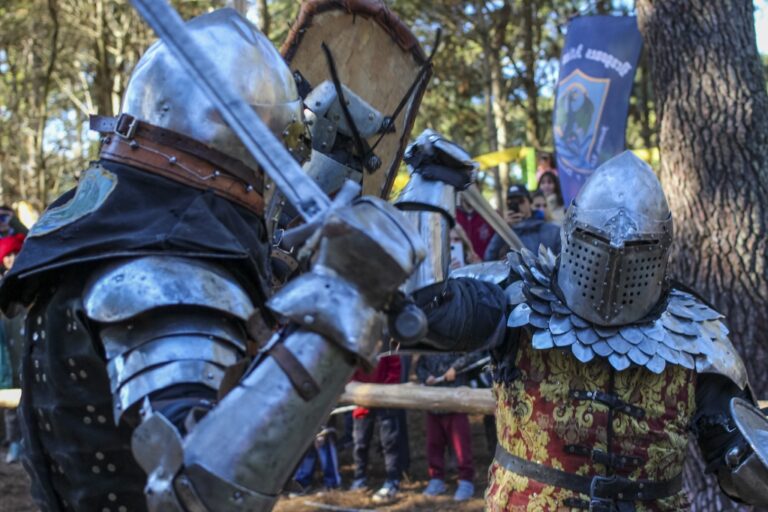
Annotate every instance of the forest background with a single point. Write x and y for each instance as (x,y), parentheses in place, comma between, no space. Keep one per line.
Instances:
(493,85)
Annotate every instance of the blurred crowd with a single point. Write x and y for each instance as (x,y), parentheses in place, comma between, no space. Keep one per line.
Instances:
(12,234)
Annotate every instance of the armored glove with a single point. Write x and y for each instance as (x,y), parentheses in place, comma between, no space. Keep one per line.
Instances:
(242,452)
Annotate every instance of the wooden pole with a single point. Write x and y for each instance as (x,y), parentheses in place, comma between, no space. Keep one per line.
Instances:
(412,396)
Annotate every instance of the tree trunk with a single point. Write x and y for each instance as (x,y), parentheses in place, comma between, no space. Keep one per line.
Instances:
(713,114)
(490,122)
(529,79)
(264,18)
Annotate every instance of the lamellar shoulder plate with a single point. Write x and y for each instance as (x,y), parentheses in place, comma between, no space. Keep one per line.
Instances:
(687,332)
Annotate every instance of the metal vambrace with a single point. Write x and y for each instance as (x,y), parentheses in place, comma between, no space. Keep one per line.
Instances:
(440,168)
(239,456)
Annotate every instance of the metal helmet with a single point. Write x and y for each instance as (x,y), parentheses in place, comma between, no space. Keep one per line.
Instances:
(161,93)
(615,243)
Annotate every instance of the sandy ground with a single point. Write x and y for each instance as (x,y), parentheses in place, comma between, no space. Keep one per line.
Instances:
(14,485)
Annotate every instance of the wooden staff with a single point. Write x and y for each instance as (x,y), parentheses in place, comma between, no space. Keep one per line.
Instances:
(426,398)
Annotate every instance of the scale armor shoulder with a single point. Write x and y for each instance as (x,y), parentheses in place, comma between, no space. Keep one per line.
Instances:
(687,332)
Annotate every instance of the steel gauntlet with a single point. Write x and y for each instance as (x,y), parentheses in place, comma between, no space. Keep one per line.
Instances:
(241,453)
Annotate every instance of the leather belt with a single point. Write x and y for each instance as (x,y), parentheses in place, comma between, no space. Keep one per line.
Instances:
(609,493)
(180,158)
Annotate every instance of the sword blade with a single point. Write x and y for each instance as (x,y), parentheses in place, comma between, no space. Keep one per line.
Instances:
(299,189)
(486,211)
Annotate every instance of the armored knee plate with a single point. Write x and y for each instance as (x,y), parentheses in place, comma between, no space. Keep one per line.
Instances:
(166,321)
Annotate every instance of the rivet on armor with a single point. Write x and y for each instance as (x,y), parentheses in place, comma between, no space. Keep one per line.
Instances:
(209,375)
(268,186)
(70,361)
(309,319)
(216,173)
(87,420)
(122,509)
(73,376)
(39,320)
(172,160)
(48,427)
(621,495)
(90,408)
(112,496)
(37,363)
(45,379)
(101,419)
(35,336)
(249,188)
(133,144)
(83,374)
(96,469)
(99,455)
(106,509)
(111,468)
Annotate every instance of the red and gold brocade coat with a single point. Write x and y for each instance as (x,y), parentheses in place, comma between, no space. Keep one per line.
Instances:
(537,419)
(552,404)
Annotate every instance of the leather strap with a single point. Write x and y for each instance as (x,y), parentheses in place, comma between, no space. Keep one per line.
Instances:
(609,399)
(302,381)
(600,488)
(614,460)
(180,158)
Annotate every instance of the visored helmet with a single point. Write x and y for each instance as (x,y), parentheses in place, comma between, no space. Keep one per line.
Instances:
(615,243)
(161,93)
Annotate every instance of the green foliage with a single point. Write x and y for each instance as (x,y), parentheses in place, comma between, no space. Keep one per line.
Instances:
(62,60)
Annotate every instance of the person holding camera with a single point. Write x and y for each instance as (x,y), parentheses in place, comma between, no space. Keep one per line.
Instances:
(529,225)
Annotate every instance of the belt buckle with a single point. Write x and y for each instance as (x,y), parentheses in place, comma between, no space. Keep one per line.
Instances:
(598,503)
(130,131)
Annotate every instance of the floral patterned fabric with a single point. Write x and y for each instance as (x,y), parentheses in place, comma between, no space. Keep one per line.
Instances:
(536,417)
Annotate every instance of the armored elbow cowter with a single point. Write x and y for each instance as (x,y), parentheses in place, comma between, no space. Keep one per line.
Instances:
(164,322)
(239,456)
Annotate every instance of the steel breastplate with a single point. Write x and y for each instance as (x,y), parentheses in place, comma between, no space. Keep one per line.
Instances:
(686,332)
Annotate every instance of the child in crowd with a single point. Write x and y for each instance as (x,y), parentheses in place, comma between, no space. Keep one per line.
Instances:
(445,428)
(323,450)
(387,371)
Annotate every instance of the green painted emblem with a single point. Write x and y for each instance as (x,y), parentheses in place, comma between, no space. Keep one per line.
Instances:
(96,184)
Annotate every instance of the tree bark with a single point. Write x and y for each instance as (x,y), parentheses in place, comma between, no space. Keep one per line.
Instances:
(713,114)
(264,18)
(532,128)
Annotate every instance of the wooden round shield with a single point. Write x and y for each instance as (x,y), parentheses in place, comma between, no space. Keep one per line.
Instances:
(376,56)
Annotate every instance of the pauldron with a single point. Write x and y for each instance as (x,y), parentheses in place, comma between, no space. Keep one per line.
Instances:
(685,332)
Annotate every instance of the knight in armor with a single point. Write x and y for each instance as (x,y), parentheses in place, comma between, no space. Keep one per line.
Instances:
(151,376)
(602,366)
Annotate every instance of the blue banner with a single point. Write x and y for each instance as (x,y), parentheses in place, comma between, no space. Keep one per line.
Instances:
(597,69)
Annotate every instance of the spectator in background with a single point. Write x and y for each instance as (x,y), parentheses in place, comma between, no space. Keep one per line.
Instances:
(444,428)
(549,185)
(462,252)
(387,371)
(475,226)
(11,345)
(539,206)
(323,450)
(10,224)
(531,231)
